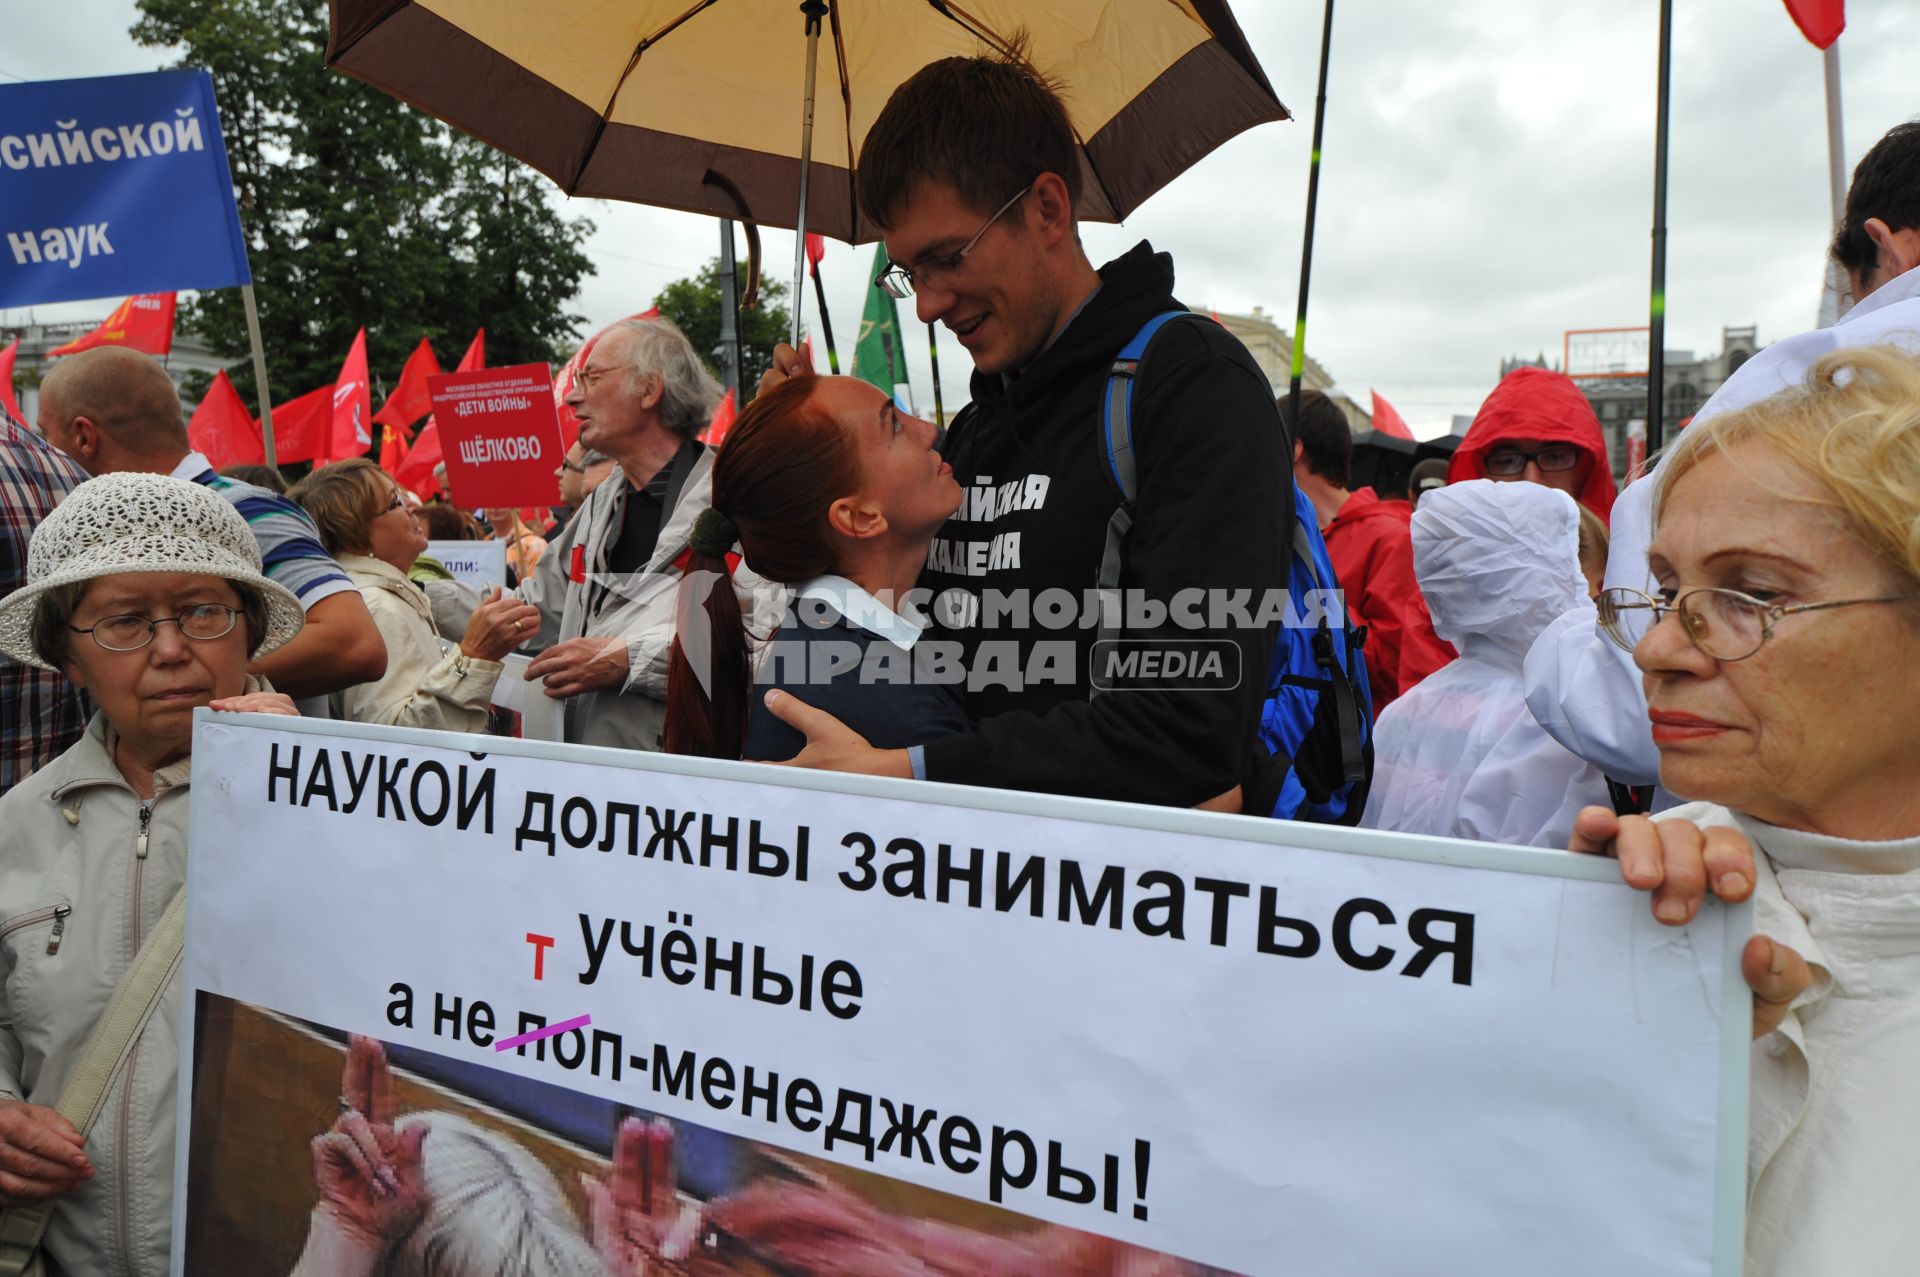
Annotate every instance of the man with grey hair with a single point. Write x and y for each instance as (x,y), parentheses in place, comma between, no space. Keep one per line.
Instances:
(114,410)
(607,585)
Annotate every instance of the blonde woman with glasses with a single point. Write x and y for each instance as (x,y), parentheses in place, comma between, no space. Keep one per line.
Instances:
(1782,670)
(364,522)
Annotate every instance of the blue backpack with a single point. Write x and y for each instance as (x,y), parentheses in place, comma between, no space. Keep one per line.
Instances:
(1316,729)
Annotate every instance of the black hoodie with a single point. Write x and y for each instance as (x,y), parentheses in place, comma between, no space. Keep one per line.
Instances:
(1215,503)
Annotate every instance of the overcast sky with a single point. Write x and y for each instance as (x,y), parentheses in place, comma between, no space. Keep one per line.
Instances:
(1486,182)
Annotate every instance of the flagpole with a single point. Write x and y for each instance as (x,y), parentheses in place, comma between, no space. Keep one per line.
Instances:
(1657,319)
(826,324)
(260,374)
(1306,244)
(1836,287)
(933,352)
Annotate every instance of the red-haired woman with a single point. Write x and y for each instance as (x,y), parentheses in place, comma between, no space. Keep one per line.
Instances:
(826,487)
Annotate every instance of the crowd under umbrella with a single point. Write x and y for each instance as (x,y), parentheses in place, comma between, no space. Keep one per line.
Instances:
(709,106)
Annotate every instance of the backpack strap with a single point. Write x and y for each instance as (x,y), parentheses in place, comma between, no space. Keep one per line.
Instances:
(1347,709)
(140,994)
(1116,425)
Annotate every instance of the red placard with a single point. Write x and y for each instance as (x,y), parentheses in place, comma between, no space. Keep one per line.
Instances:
(500,436)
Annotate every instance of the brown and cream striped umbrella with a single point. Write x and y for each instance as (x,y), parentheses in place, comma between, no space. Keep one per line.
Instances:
(651,100)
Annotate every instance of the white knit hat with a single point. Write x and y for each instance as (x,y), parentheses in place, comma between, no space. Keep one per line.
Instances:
(142,523)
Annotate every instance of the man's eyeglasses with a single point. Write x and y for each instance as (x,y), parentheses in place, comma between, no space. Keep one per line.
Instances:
(900,281)
(130,633)
(1725,624)
(1506,462)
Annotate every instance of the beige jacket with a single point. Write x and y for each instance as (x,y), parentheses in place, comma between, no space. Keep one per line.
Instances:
(635,610)
(86,869)
(428,683)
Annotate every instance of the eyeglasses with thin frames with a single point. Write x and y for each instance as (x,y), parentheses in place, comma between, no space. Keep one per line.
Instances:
(1725,624)
(1551,459)
(129,632)
(900,281)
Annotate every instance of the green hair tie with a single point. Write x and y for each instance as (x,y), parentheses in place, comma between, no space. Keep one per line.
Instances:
(713,534)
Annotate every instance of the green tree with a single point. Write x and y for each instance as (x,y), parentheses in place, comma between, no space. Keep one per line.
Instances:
(361,211)
(695,304)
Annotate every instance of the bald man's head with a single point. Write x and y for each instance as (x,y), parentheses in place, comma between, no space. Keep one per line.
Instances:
(113,409)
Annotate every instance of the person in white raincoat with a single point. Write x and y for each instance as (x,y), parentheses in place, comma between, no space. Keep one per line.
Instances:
(1460,755)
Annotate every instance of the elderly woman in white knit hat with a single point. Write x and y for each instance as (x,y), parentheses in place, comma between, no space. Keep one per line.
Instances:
(147,592)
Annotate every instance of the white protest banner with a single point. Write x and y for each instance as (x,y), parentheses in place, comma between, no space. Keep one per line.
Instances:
(481,564)
(1059,1029)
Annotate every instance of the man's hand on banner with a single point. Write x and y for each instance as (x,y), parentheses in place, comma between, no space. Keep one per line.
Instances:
(581,665)
(826,1228)
(1677,861)
(639,1221)
(832,746)
(41,1154)
(368,1174)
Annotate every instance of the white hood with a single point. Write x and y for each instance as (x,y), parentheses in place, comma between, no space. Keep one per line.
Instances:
(1460,755)
(1498,563)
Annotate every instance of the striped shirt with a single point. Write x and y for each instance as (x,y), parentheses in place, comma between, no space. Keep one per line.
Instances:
(41,713)
(289,542)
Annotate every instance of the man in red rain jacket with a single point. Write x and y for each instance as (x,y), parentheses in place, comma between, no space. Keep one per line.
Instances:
(1537,426)
(1372,552)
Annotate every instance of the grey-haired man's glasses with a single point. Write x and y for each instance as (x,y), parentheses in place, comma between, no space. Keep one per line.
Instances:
(130,633)
(900,281)
(1725,624)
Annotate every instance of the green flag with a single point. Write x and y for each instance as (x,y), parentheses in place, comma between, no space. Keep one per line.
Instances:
(878,356)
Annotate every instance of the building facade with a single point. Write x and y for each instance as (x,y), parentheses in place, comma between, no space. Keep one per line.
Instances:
(1272,349)
(189,355)
(1688,381)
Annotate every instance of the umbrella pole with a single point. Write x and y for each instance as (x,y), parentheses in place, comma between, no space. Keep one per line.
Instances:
(1657,318)
(729,311)
(933,353)
(814,11)
(1306,246)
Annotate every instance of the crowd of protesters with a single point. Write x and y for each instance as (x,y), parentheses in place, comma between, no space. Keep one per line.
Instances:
(839,586)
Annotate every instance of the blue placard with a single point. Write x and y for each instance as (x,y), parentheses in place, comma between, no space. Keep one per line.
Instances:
(112,186)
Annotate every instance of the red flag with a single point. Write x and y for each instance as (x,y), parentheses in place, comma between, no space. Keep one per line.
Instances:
(410,401)
(476,357)
(143,322)
(7,401)
(222,430)
(351,432)
(415,469)
(415,472)
(816,249)
(1821,21)
(722,422)
(301,426)
(1387,421)
(393,448)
